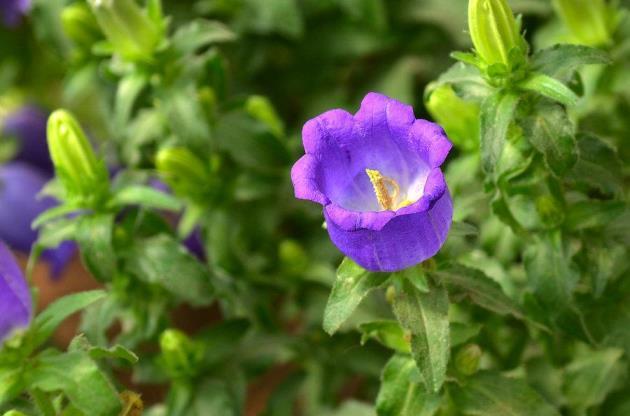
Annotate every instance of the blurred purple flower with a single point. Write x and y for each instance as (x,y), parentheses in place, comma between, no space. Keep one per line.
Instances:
(19,185)
(16,309)
(28,126)
(12,11)
(378,176)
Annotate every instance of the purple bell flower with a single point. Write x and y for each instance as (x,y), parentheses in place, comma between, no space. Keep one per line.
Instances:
(377,175)
(12,11)
(19,185)
(28,126)
(16,309)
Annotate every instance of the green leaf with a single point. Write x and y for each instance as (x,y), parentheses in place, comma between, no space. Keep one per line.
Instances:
(94,235)
(590,378)
(200,33)
(466,80)
(162,261)
(479,288)
(598,165)
(352,285)
(52,213)
(80,379)
(272,16)
(213,397)
(146,197)
(389,333)
(12,383)
(462,333)
(550,88)
(129,88)
(497,112)
(491,394)
(550,131)
(81,343)
(550,272)
(593,214)
(402,392)
(562,60)
(47,321)
(425,316)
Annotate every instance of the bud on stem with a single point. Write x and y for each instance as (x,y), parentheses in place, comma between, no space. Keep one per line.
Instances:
(493,30)
(132,33)
(77,167)
(591,22)
(182,170)
(79,24)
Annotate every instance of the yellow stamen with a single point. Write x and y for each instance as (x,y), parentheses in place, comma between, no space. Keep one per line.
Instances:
(380,183)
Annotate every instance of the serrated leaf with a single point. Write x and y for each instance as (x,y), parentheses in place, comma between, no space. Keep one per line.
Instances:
(479,288)
(497,112)
(402,393)
(162,261)
(491,394)
(425,317)
(146,197)
(551,88)
(81,343)
(47,321)
(561,60)
(352,285)
(590,378)
(80,379)
(94,235)
(550,131)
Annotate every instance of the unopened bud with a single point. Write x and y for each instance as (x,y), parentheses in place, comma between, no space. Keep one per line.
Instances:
(80,26)
(179,352)
(459,118)
(182,170)
(591,22)
(467,359)
(81,173)
(128,27)
(494,31)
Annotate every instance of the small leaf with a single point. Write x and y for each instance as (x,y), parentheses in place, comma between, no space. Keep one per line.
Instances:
(200,33)
(94,235)
(80,379)
(550,88)
(561,60)
(489,394)
(47,321)
(52,213)
(425,316)
(462,333)
(479,288)
(593,214)
(352,285)
(550,131)
(162,261)
(589,379)
(598,165)
(497,112)
(388,333)
(129,88)
(402,393)
(146,197)
(81,343)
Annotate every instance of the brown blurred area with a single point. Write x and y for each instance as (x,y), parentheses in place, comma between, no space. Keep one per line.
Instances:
(75,278)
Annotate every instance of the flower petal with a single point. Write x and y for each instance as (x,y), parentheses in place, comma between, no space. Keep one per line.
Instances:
(305,180)
(402,242)
(429,141)
(16,309)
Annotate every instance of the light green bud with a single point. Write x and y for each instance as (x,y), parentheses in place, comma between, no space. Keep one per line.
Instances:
(467,359)
(591,22)
(80,26)
(128,27)
(81,173)
(494,31)
(182,170)
(459,118)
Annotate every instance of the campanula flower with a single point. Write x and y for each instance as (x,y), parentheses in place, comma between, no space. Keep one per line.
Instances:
(12,11)
(19,185)
(16,309)
(377,175)
(27,125)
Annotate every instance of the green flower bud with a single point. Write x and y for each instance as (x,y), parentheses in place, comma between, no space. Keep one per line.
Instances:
(459,118)
(550,210)
(182,170)
(180,354)
(129,29)
(261,109)
(80,172)
(494,31)
(292,256)
(80,26)
(467,359)
(591,22)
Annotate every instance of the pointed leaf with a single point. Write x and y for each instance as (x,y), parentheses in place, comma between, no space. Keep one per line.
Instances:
(497,112)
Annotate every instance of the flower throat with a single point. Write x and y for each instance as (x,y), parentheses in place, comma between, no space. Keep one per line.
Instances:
(387,191)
